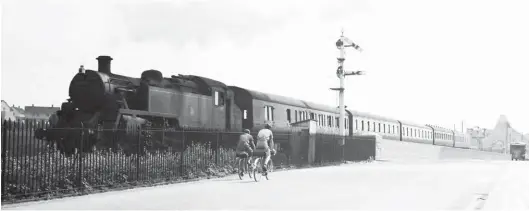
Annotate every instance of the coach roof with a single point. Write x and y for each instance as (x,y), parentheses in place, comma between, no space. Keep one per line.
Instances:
(289,101)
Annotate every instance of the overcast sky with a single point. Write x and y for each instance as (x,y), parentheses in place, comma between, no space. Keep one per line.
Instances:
(429,62)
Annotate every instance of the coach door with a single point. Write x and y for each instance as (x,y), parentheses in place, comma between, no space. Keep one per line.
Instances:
(219,105)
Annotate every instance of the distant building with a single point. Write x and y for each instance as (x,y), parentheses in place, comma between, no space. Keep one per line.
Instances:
(497,139)
(40,112)
(7,111)
(12,112)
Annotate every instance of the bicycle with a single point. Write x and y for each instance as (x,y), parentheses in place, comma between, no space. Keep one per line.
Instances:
(257,168)
(241,166)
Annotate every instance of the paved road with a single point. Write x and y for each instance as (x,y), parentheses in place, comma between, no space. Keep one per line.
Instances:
(430,185)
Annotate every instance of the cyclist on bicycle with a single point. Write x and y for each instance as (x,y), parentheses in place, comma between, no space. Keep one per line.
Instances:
(265,143)
(245,146)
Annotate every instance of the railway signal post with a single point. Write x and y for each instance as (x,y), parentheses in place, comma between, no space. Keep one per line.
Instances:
(341,44)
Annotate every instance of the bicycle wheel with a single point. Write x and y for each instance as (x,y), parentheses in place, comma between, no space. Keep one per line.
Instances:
(257,171)
(270,168)
(249,168)
(241,169)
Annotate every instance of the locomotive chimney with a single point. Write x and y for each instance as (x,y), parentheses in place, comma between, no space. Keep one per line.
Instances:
(104,64)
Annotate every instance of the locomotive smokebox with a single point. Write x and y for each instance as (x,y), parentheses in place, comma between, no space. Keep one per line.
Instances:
(104,64)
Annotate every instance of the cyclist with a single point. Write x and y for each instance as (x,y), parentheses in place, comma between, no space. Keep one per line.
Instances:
(265,143)
(245,146)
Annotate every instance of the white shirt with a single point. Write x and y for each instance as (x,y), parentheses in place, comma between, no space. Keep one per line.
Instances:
(263,137)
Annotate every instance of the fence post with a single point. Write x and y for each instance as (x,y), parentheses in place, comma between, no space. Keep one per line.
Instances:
(182,154)
(217,151)
(4,157)
(138,129)
(80,155)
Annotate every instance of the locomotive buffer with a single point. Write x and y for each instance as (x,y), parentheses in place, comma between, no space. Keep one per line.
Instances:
(341,44)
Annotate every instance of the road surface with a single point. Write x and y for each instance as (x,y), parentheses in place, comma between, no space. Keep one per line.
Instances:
(432,185)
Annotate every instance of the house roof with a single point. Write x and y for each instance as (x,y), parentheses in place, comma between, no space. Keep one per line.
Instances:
(36,110)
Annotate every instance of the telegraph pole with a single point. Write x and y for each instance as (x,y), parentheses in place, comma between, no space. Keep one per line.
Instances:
(341,73)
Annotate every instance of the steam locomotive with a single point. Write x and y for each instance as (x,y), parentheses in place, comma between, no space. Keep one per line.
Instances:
(104,101)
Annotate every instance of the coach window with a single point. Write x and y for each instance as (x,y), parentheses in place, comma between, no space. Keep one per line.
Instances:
(362,125)
(379,130)
(219,98)
(288,115)
(245,113)
(356,123)
(368,126)
(269,113)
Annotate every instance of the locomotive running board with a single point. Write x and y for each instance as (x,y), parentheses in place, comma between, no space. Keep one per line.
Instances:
(142,113)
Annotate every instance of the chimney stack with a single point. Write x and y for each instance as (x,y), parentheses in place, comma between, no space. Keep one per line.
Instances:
(104,64)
